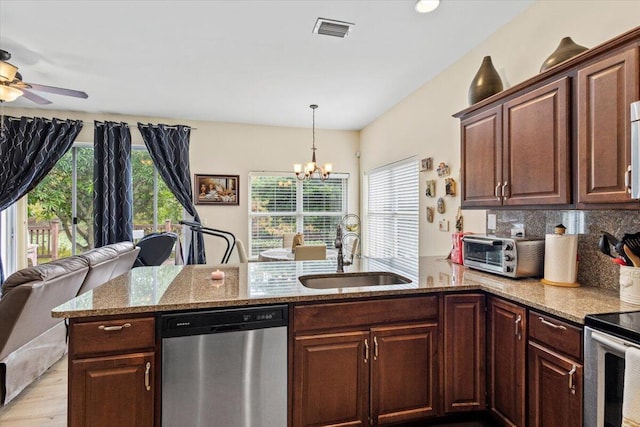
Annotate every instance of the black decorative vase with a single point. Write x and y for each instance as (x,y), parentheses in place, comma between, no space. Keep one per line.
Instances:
(486,82)
(566,49)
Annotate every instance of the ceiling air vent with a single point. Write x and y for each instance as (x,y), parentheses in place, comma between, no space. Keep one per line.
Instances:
(330,27)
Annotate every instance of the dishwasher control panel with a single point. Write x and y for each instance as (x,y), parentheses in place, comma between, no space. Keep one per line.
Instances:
(226,320)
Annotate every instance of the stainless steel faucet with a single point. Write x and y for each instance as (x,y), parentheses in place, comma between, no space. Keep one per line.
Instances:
(338,245)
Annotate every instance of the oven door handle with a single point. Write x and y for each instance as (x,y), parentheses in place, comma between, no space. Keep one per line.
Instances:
(619,347)
(489,242)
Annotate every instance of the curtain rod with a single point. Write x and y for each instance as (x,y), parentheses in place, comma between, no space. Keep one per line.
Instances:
(90,123)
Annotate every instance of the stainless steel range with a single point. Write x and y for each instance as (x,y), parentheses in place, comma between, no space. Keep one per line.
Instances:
(606,340)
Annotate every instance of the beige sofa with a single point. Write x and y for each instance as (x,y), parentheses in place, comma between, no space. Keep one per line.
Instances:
(30,339)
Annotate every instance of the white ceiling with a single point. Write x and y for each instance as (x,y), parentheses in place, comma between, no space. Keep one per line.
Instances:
(244,61)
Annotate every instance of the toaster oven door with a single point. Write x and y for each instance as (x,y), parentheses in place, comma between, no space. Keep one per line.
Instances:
(484,254)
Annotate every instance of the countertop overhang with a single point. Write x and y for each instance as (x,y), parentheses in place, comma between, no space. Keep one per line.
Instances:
(172,288)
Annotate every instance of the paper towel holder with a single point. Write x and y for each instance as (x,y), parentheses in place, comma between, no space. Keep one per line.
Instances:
(561,259)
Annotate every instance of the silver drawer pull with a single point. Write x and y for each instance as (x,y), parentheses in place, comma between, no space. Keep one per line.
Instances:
(554,326)
(518,322)
(572,383)
(114,328)
(496,191)
(147,381)
(366,350)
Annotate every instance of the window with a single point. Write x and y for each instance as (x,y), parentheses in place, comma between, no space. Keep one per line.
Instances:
(281,204)
(392,209)
(60,208)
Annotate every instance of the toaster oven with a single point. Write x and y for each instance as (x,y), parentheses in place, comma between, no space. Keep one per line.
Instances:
(509,257)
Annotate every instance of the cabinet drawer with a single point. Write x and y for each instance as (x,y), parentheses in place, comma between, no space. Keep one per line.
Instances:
(364,313)
(556,334)
(112,336)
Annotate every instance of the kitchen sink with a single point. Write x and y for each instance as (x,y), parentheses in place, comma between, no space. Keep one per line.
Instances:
(352,280)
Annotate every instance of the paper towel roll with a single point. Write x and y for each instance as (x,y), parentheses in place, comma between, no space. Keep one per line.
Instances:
(560,259)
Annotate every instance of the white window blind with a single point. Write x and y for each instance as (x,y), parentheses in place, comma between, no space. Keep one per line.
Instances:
(281,204)
(392,213)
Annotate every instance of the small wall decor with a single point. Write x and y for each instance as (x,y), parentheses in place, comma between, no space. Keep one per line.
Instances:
(443,169)
(450,186)
(431,188)
(443,225)
(216,189)
(426,164)
(459,220)
(429,214)
(440,205)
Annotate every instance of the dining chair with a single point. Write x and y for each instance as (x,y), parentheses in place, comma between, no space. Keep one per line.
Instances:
(352,250)
(242,253)
(287,240)
(309,252)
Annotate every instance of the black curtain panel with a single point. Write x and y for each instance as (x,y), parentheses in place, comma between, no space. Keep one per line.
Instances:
(29,148)
(169,150)
(112,184)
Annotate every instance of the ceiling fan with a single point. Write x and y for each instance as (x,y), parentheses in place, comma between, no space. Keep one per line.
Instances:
(12,86)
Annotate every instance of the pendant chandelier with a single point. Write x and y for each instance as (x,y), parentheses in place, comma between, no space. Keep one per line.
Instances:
(311,169)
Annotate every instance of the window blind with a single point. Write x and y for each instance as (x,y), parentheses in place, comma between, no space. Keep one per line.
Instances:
(281,204)
(393,212)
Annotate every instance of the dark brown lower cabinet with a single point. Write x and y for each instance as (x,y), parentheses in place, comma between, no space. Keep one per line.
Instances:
(506,358)
(112,391)
(331,379)
(377,376)
(404,373)
(555,389)
(464,353)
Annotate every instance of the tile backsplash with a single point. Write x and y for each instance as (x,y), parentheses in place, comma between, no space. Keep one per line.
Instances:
(594,268)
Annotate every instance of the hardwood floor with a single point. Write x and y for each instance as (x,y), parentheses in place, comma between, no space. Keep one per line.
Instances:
(43,403)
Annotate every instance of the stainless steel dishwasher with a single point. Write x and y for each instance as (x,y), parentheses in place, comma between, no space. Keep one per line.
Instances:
(225,368)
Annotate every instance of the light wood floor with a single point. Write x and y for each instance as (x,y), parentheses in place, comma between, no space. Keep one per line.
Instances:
(43,403)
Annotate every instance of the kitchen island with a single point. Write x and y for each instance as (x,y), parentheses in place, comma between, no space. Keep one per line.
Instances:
(365,355)
(169,288)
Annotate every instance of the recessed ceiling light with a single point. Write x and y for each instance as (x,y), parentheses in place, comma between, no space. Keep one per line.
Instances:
(425,6)
(331,27)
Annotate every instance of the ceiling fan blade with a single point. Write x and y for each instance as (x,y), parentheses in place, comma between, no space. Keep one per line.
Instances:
(58,90)
(34,98)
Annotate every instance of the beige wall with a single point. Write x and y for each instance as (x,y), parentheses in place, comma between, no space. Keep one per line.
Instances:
(422,124)
(234,149)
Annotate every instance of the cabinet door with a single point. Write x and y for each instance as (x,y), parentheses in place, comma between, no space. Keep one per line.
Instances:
(112,391)
(481,152)
(605,90)
(506,355)
(555,389)
(464,353)
(331,379)
(404,372)
(536,162)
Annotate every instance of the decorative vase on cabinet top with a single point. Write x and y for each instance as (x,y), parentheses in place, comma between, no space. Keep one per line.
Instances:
(566,49)
(486,82)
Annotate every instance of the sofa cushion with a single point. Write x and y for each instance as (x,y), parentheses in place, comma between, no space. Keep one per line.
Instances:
(43,272)
(99,255)
(122,247)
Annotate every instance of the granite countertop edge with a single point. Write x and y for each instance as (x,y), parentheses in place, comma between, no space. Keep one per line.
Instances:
(571,304)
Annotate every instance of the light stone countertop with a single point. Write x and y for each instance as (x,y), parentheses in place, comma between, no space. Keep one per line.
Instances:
(170,288)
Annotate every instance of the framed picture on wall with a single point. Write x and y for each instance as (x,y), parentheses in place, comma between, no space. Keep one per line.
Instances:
(216,189)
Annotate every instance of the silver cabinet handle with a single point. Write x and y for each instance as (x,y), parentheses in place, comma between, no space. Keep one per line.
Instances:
(518,322)
(114,328)
(366,350)
(572,383)
(495,191)
(627,179)
(147,380)
(552,325)
(504,190)
(375,348)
